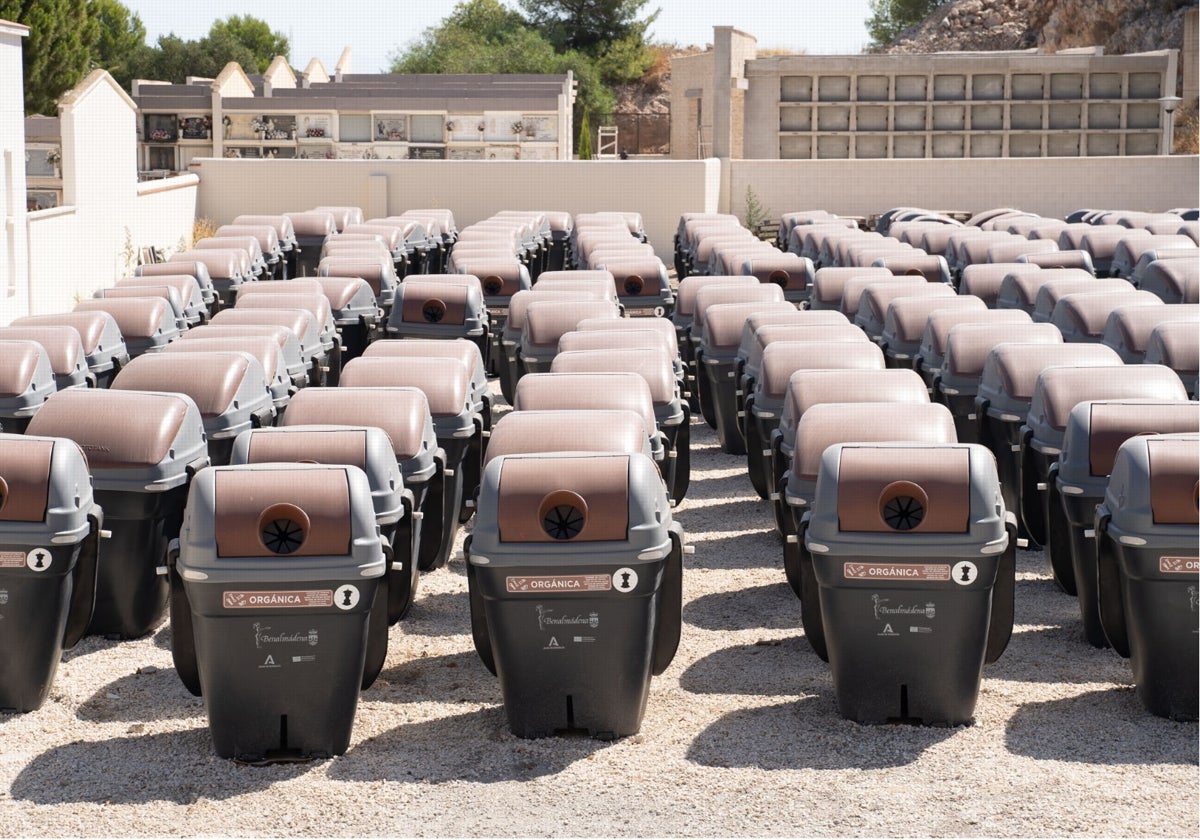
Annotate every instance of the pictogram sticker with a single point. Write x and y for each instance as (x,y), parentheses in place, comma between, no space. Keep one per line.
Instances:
(625,579)
(283,599)
(896,571)
(964,573)
(542,584)
(347,597)
(1179,565)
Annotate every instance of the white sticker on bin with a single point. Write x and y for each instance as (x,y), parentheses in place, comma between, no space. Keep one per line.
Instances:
(543,584)
(39,559)
(896,571)
(12,559)
(293,598)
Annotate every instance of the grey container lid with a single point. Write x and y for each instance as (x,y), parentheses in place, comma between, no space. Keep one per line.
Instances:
(350,299)
(829,423)
(1060,389)
(98,331)
(623,503)
(1151,493)
(1096,429)
(147,324)
(1019,288)
(463,349)
(1081,317)
(1051,292)
(932,349)
(262,347)
(963,508)
(379,273)
(597,430)
(445,382)
(1011,371)
(230,508)
(63,346)
(26,378)
(229,388)
(134,441)
(969,345)
(300,321)
(781,359)
(197,269)
(171,295)
(1128,328)
(47,491)
(424,308)
(366,447)
(403,413)
(190,296)
(808,388)
(287,364)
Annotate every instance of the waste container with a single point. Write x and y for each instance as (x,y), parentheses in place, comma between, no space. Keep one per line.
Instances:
(545,323)
(326,364)
(167,293)
(1002,397)
(49,530)
(765,403)
(268,241)
(1128,328)
(670,411)
(1019,289)
(683,318)
(196,269)
(1174,344)
(245,244)
(445,308)
(378,272)
(1096,429)
(286,234)
(403,413)
(275,348)
(26,381)
(446,383)
(716,361)
(514,324)
(1148,571)
(279,565)
(195,311)
(956,383)
(1102,241)
(575,574)
(1175,281)
(355,312)
(63,346)
(931,353)
(932,267)
(143,450)
(300,345)
(229,388)
(228,269)
(642,284)
(311,228)
(501,278)
(1057,391)
(1050,291)
(792,273)
(369,449)
(1125,257)
(875,298)
(103,345)
(906,319)
(983,280)
(597,333)
(1081,317)
(820,427)
(914,557)
(598,430)
(147,324)
(480,393)
(344,215)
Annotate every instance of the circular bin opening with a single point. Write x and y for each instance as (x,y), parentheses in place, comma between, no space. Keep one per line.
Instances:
(634,285)
(493,285)
(283,528)
(563,514)
(902,505)
(779,277)
(433,310)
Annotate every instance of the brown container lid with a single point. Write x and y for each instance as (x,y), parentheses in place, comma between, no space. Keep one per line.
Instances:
(825,424)
(783,358)
(89,325)
(251,506)
(137,318)
(1019,365)
(872,480)
(724,322)
(1112,423)
(591,492)
(941,321)
(661,326)
(445,382)
(434,303)
(1102,242)
(596,430)
(1088,311)
(115,429)
(371,270)
(546,321)
(909,315)
(18,364)
(1135,323)
(1062,388)
(768,334)
(1176,346)
(650,363)
(312,223)
(24,478)
(876,297)
(340,291)
(968,345)
(854,288)
(400,412)
(210,379)
(789,271)
(63,345)
(337,446)
(929,266)
(1173,483)
(492,270)
(584,391)
(266,348)
(1009,251)
(689,288)
(829,283)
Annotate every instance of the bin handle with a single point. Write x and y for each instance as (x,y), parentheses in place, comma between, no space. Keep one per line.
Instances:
(183,640)
(1000,627)
(479,628)
(377,624)
(1111,588)
(1030,497)
(83,592)
(670,606)
(982,430)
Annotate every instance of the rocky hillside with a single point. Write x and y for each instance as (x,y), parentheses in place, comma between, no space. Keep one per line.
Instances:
(1120,26)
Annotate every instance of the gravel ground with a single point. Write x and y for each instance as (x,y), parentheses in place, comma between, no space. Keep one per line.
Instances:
(741,734)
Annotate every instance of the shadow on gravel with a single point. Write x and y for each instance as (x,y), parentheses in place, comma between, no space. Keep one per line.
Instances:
(1057,655)
(95,644)
(437,614)
(771,607)
(473,747)
(743,550)
(1099,727)
(809,734)
(178,767)
(774,668)
(158,695)
(436,679)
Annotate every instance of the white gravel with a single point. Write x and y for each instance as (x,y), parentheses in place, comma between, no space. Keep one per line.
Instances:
(741,734)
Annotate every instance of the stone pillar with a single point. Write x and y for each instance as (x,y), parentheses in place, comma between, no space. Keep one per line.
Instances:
(731,50)
(1191,56)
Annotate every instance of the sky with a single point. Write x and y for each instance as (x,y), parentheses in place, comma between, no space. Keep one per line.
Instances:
(376,28)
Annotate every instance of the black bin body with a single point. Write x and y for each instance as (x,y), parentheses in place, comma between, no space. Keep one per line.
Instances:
(279,565)
(1146,535)
(49,527)
(575,577)
(143,448)
(914,560)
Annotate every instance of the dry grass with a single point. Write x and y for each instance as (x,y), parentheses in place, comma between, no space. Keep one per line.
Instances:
(202,228)
(1187,131)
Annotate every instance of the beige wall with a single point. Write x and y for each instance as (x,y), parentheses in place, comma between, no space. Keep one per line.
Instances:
(14,257)
(473,190)
(1048,186)
(691,116)
(1190,55)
